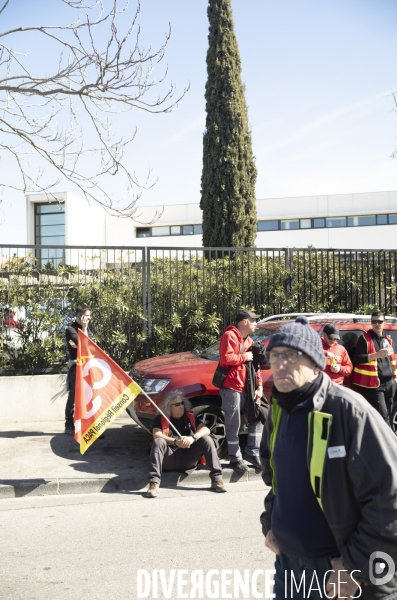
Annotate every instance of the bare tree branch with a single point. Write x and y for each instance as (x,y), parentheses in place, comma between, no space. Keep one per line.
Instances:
(4,6)
(82,3)
(100,72)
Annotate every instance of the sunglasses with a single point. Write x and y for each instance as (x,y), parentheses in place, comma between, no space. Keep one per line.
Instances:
(179,403)
(377,322)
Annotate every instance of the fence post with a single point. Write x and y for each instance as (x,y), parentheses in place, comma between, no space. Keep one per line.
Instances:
(288,257)
(144,305)
(149,303)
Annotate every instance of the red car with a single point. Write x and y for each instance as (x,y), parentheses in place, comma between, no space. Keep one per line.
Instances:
(192,372)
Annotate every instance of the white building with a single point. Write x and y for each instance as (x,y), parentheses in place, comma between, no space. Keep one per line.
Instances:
(351,221)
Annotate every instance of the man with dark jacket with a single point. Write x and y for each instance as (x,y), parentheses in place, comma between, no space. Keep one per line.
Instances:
(375,367)
(83,317)
(233,354)
(331,461)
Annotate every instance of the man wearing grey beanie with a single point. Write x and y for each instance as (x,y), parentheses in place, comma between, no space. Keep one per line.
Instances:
(331,462)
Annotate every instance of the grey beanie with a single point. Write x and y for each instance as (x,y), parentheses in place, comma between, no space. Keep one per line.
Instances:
(300,336)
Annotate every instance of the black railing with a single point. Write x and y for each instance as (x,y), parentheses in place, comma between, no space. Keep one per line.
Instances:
(148,301)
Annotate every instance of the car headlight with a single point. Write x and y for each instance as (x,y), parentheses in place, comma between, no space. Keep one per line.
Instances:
(154,386)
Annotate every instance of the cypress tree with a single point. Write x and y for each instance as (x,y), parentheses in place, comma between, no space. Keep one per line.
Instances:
(229,171)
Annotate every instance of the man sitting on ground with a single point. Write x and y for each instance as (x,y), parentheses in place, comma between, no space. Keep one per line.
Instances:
(172,453)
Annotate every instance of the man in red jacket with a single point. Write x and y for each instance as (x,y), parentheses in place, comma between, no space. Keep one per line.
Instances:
(338,364)
(233,353)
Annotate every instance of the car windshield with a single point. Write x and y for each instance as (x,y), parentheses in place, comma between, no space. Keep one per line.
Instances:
(212,352)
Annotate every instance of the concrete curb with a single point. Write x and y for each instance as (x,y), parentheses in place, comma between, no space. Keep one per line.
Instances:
(53,487)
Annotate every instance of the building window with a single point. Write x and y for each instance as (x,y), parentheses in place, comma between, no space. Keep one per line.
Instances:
(53,208)
(49,224)
(156,231)
(50,256)
(49,220)
(50,230)
(361,221)
(267,225)
(306,223)
(336,222)
(290,224)
(142,232)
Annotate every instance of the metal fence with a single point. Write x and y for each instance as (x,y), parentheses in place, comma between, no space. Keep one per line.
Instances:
(151,300)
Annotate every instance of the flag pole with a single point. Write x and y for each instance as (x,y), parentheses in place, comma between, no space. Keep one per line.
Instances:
(161,412)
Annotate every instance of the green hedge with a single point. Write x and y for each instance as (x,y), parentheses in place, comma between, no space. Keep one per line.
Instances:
(188,303)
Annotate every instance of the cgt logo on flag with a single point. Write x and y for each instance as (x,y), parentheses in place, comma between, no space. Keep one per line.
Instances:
(103,391)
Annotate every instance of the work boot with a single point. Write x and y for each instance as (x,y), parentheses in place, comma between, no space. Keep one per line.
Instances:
(240,466)
(69,429)
(218,486)
(253,459)
(153,490)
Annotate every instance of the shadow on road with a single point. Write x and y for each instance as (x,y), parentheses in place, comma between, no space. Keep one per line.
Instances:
(121,451)
(18,434)
(119,461)
(23,488)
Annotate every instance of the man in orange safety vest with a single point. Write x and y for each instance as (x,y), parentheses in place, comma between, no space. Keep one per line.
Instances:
(374,374)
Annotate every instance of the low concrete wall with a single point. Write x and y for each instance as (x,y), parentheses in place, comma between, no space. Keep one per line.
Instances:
(33,398)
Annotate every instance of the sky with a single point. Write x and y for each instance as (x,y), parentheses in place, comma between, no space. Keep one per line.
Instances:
(319,76)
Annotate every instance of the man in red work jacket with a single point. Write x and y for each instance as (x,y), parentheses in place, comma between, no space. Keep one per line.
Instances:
(233,353)
(338,364)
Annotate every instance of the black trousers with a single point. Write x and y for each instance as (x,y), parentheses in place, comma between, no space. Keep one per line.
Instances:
(381,398)
(69,409)
(164,457)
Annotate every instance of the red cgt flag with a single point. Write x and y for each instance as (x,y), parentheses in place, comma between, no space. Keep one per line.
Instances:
(103,391)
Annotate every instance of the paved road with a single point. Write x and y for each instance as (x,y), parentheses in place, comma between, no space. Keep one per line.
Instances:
(91,546)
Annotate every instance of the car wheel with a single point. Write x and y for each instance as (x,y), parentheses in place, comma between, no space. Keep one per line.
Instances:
(393,418)
(212,417)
